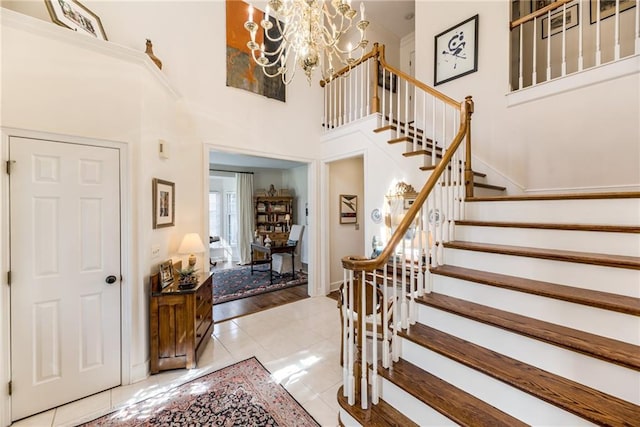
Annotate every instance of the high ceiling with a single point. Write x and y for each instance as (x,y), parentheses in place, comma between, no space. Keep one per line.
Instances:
(389,14)
(392,15)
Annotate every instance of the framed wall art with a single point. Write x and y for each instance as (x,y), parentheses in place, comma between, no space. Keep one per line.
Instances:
(570,20)
(348,209)
(608,8)
(74,15)
(166,273)
(164,203)
(456,51)
(390,82)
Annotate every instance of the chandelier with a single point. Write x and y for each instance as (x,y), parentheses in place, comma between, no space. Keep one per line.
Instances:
(307,33)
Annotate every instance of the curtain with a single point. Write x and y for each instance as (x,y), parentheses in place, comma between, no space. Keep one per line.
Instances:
(244,191)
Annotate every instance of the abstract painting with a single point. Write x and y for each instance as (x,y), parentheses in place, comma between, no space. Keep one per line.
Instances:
(242,71)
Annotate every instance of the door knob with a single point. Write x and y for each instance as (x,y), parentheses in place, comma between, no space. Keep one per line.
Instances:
(111,280)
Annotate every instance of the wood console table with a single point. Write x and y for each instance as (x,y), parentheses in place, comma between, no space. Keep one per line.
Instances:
(180,320)
(270,250)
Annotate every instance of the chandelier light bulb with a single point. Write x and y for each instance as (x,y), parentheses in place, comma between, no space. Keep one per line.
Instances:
(306,34)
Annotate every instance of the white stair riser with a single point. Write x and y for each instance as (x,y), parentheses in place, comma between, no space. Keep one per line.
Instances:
(569,240)
(582,211)
(607,279)
(606,323)
(348,420)
(414,409)
(607,377)
(508,399)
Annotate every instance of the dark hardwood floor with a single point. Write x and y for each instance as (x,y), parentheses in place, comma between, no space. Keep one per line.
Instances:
(249,305)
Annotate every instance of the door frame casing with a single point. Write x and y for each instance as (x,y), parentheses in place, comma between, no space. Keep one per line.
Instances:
(5,255)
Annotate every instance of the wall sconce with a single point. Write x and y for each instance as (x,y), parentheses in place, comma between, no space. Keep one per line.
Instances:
(191,244)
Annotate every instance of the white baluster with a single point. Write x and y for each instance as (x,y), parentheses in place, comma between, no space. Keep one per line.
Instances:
(564,40)
(385,319)
(521,58)
(352,383)
(345,333)
(404,308)
(374,348)
(367,108)
(637,50)
(616,37)
(534,73)
(396,311)
(580,41)
(598,52)
(548,45)
(363,339)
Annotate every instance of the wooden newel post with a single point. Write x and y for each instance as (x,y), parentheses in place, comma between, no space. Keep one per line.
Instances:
(468,171)
(375,99)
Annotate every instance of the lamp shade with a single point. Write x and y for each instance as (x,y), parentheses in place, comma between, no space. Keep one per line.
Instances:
(191,244)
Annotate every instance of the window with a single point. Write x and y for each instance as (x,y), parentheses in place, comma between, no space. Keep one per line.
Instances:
(231,218)
(215,226)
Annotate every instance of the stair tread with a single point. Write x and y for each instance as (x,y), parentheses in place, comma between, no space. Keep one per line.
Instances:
(585,402)
(566,196)
(608,349)
(452,402)
(554,226)
(489,186)
(621,261)
(604,300)
(379,415)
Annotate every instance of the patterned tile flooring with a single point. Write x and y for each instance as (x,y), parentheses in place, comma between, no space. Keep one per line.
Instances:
(299,343)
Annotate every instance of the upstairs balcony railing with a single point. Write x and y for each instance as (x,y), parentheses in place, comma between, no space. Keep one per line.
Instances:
(568,36)
(378,295)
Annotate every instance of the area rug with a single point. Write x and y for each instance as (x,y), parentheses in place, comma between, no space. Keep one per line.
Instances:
(236,283)
(243,394)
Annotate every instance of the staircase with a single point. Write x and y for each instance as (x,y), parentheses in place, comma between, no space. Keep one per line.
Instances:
(533,319)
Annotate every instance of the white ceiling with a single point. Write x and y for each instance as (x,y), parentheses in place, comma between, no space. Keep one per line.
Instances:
(391,15)
(241,160)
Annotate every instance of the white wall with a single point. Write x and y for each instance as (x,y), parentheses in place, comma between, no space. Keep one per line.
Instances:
(297,180)
(345,177)
(575,139)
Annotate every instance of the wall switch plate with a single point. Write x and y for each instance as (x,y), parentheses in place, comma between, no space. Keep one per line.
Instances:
(163,149)
(155,251)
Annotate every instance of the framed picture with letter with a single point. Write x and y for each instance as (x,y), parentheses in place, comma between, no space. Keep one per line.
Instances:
(456,51)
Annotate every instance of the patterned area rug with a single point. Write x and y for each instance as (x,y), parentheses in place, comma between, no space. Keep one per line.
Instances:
(239,395)
(236,283)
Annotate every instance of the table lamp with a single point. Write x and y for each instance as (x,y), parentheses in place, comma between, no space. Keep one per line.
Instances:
(191,244)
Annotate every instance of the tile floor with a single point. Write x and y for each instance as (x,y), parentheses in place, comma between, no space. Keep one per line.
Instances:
(299,343)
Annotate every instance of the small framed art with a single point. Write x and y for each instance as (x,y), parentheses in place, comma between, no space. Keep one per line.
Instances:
(166,273)
(570,20)
(348,209)
(164,203)
(74,15)
(456,51)
(608,8)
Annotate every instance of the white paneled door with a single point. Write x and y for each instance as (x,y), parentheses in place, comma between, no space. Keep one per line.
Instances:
(65,272)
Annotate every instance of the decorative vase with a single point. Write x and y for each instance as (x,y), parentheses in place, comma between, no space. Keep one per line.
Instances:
(267,241)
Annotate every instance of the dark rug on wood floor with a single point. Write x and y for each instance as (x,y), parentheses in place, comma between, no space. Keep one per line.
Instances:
(236,283)
(243,394)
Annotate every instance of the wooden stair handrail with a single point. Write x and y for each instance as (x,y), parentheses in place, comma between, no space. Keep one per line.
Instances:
(537,13)
(356,263)
(378,51)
